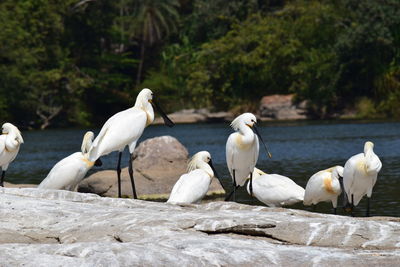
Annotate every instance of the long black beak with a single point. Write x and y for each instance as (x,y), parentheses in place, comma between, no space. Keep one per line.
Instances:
(157,107)
(216,174)
(262,141)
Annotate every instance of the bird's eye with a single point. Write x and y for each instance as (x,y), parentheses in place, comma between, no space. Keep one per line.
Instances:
(252,120)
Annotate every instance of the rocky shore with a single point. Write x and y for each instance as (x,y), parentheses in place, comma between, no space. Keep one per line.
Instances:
(60,228)
(272,107)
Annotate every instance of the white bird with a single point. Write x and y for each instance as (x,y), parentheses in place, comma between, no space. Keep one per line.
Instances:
(124,129)
(242,150)
(68,172)
(193,186)
(10,141)
(360,174)
(275,190)
(324,186)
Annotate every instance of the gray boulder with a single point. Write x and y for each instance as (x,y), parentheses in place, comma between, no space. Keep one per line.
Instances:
(61,228)
(281,107)
(158,164)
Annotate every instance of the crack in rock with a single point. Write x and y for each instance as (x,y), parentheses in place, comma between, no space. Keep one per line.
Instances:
(246,229)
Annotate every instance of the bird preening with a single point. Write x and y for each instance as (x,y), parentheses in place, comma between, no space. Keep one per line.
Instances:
(70,171)
(10,141)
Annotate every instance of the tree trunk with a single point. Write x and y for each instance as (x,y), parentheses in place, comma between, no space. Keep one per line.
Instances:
(139,73)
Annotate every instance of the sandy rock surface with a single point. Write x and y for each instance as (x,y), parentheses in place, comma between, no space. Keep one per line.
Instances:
(61,228)
(159,163)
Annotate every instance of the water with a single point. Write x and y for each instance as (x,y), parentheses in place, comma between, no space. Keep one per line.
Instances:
(299,150)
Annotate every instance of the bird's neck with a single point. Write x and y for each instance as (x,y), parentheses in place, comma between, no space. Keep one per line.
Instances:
(148,109)
(11,141)
(247,134)
(205,167)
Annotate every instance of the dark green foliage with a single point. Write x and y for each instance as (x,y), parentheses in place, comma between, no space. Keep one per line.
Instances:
(74,62)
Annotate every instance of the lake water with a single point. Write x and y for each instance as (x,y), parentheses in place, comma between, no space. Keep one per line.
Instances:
(299,150)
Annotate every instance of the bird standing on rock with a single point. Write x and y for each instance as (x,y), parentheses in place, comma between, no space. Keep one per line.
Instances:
(324,185)
(242,150)
(275,190)
(68,172)
(193,186)
(359,176)
(124,129)
(10,141)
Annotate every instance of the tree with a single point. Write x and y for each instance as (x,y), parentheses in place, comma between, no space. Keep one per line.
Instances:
(152,21)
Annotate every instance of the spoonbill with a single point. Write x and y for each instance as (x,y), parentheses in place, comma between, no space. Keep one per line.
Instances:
(275,190)
(242,150)
(10,140)
(360,174)
(124,129)
(68,172)
(193,186)
(324,185)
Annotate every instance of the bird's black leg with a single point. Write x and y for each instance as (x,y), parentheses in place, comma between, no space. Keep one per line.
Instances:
(334,211)
(251,184)
(367,212)
(119,174)
(314,207)
(234,188)
(130,170)
(352,205)
(2,178)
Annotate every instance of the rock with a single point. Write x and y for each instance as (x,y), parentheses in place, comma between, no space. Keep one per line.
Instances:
(159,163)
(196,116)
(6,184)
(281,107)
(61,228)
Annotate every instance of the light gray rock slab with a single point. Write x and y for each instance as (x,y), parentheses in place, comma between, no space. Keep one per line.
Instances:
(61,228)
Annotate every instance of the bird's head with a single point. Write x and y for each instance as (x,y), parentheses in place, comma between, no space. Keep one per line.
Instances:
(87,142)
(197,159)
(256,173)
(337,172)
(368,146)
(247,119)
(144,98)
(8,128)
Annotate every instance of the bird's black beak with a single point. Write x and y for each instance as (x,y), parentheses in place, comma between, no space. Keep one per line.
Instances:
(262,141)
(157,107)
(215,173)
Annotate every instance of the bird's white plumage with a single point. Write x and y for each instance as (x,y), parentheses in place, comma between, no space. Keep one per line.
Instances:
(275,190)
(324,186)
(242,148)
(193,186)
(360,173)
(124,128)
(68,172)
(10,142)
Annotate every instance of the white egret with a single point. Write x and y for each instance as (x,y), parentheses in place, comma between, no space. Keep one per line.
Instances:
(10,141)
(360,174)
(324,186)
(193,186)
(275,190)
(124,129)
(68,172)
(242,150)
